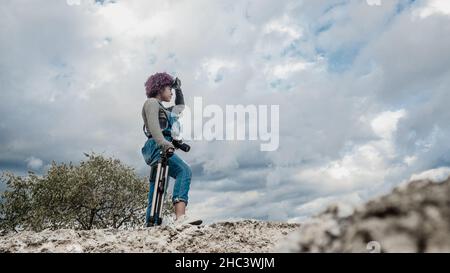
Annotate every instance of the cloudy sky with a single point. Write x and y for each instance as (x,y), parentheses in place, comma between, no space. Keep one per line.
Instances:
(363,90)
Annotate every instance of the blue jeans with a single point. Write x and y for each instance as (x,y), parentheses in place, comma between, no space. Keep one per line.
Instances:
(178,169)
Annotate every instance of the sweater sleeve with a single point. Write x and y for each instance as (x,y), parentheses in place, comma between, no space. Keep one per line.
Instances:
(151,109)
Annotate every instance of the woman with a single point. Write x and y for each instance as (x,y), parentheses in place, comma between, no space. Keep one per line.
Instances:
(158,122)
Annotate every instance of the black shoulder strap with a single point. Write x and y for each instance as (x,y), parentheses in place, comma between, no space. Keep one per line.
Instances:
(164,110)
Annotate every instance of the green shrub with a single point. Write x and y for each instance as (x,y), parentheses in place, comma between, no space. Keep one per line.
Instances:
(99,193)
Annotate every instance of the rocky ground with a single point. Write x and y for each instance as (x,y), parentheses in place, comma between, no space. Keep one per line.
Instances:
(242,236)
(414,217)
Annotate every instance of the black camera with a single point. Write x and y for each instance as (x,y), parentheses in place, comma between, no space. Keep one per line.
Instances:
(179,144)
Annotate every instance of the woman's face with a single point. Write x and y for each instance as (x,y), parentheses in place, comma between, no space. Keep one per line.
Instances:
(166,94)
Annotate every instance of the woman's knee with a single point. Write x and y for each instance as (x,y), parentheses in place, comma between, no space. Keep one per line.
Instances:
(178,167)
(187,171)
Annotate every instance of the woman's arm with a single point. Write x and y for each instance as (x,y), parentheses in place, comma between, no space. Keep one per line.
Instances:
(179,102)
(179,98)
(151,108)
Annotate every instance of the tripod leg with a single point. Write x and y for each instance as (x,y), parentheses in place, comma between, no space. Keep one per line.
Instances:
(162,189)
(153,219)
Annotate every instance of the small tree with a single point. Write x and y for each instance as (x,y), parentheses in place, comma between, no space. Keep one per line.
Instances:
(15,204)
(99,193)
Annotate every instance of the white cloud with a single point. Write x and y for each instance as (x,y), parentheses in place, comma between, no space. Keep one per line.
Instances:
(284,25)
(214,68)
(345,202)
(374,2)
(434,7)
(284,70)
(385,124)
(34,163)
(364,166)
(223,206)
(436,175)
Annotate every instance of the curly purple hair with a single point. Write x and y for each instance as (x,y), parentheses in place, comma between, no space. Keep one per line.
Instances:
(156,82)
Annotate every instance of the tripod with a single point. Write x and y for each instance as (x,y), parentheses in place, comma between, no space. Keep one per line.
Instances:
(160,173)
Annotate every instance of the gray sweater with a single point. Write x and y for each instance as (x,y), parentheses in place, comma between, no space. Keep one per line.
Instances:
(155,119)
